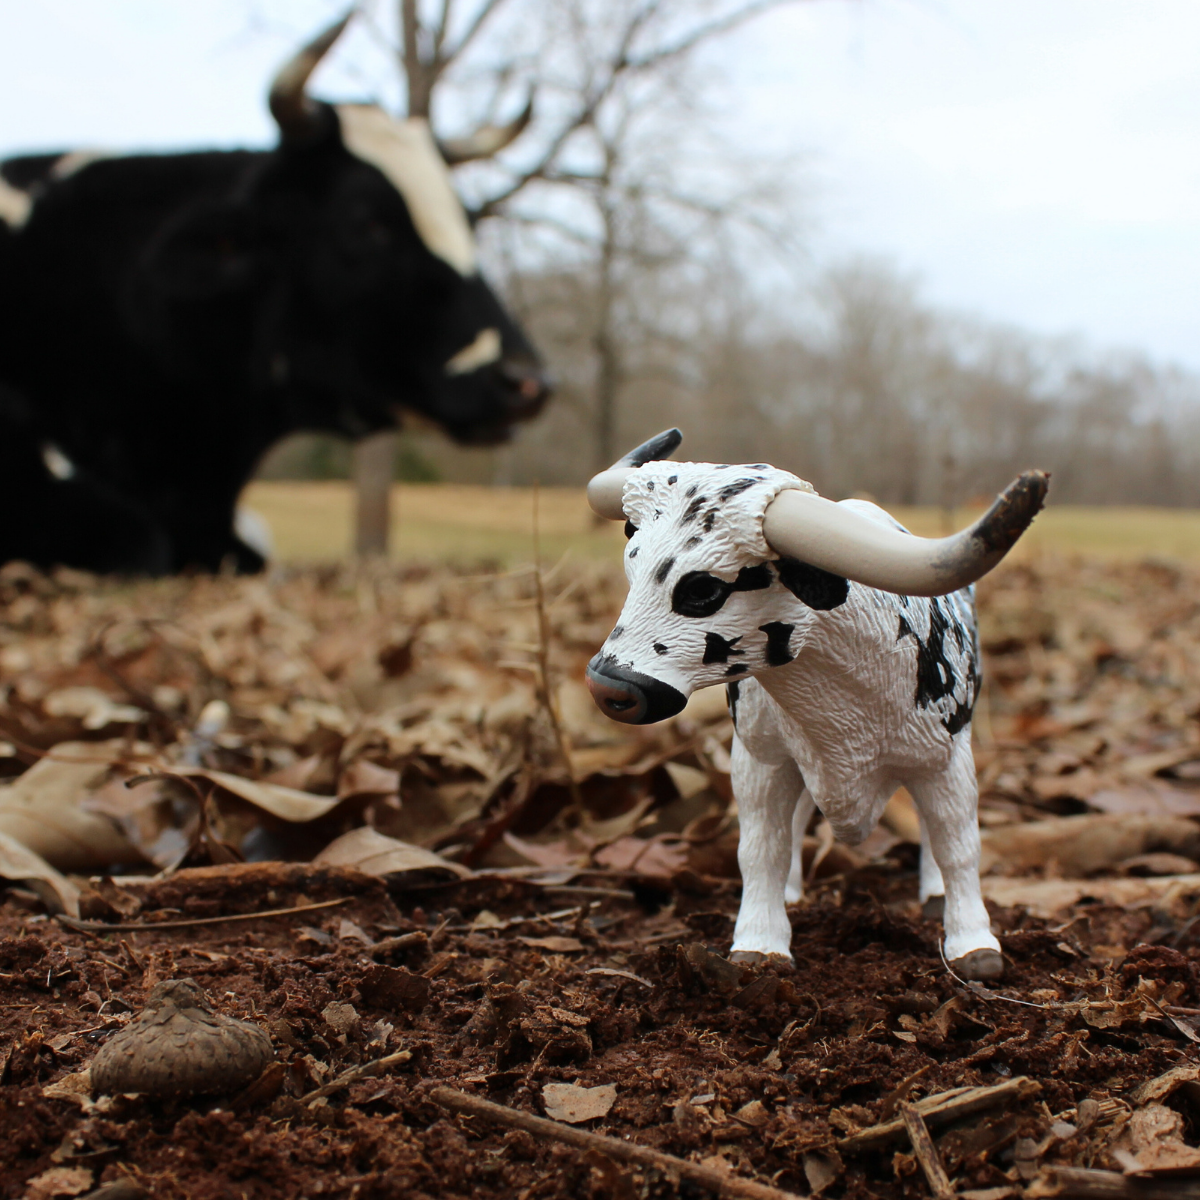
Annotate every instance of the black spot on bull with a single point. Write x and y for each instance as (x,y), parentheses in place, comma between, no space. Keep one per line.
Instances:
(732,691)
(936,677)
(778,638)
(820,590)
(736,488)
(718,649)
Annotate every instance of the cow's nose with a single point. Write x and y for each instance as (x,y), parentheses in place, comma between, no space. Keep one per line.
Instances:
(526,385)
(629,696)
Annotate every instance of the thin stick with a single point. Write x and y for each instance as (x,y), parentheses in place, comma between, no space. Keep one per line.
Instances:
(346,1078)
(405,941)
(543,657)
(1082,1184)
(926,1152)
(942,1109)
(143,926)
(610,1147)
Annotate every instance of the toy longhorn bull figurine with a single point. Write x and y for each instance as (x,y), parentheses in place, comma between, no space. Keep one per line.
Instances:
(850,652)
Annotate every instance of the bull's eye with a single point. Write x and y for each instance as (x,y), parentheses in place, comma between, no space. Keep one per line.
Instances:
(698,594)
(630,529)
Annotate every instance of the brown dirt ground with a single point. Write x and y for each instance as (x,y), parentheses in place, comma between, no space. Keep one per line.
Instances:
(430,680)
(820,1046)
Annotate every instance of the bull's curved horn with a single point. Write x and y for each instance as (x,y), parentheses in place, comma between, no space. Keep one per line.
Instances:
(604,490)
(838,539)
(292,109)
(486,140)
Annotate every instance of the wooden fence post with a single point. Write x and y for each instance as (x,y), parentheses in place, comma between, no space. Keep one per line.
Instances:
(374,468)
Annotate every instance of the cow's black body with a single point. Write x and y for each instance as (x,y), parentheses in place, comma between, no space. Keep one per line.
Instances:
(166,319)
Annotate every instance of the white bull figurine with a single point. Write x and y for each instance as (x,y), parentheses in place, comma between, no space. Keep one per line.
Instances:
(850,652)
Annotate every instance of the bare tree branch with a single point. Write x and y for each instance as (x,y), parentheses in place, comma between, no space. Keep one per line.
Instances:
(619,64)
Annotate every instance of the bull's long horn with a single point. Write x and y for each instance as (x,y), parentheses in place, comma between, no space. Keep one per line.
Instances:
(604,490)
(486,140)
(292,109)
(838,539)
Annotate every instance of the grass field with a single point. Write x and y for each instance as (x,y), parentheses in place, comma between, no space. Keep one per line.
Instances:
(313,521)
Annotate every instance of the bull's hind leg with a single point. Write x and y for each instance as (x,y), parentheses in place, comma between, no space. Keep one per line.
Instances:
(766,798)
(948,805)
(932,891)
(793,892)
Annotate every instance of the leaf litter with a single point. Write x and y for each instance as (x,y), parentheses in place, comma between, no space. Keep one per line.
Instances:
(502,895)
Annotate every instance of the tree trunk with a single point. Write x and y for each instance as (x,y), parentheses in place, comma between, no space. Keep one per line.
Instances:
(374,467)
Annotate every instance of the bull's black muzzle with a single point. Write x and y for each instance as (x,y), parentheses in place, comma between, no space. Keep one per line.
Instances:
(629,696)
(525,385)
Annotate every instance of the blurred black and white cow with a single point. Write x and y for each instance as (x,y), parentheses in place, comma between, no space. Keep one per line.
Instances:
(850,653)
(165,319)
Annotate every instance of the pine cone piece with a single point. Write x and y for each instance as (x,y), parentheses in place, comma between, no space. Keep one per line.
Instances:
(177,1046)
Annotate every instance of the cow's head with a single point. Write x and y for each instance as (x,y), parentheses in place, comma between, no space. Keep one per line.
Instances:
(731,567)
(356,265)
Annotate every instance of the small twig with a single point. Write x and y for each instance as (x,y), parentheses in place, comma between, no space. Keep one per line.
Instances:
(405,941)
(1078,1183)
(613,971)
(561,915)
(926,1152)
(346,1078)
(543,658)
(133,958)
(977,989)
(613,1148)
(899,1094)
(941,1109)
(143,926)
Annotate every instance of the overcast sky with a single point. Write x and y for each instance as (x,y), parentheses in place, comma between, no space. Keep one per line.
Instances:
(1032,161)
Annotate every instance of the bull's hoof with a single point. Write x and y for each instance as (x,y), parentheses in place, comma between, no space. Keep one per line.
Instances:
(934,908)
(755,958)
(979,965)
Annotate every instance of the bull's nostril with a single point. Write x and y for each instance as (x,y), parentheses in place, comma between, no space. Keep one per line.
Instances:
(620,705)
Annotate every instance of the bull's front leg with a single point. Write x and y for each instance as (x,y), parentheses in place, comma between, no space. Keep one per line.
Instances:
(948,805)
(766,797)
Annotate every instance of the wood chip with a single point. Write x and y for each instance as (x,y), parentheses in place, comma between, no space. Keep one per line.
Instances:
(572,1104)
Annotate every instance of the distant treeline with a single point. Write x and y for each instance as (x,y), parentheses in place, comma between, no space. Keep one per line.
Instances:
(855,384)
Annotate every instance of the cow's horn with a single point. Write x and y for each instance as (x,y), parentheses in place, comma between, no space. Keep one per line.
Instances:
(838,539)
(605,490)
(292,109)
(486,140)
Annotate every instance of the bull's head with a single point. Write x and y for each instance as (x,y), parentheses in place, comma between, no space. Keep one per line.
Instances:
(357,265)
(729,568)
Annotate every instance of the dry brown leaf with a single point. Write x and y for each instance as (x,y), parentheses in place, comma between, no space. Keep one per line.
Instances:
(1161,1086)
(283,802)
(59,1181)
(364,778)
(1047,898)
(21,865)
(76,1087)
(1082,845)
(572,1104)
(43,809)
(374,853)
(1152,1144)
(657,857)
